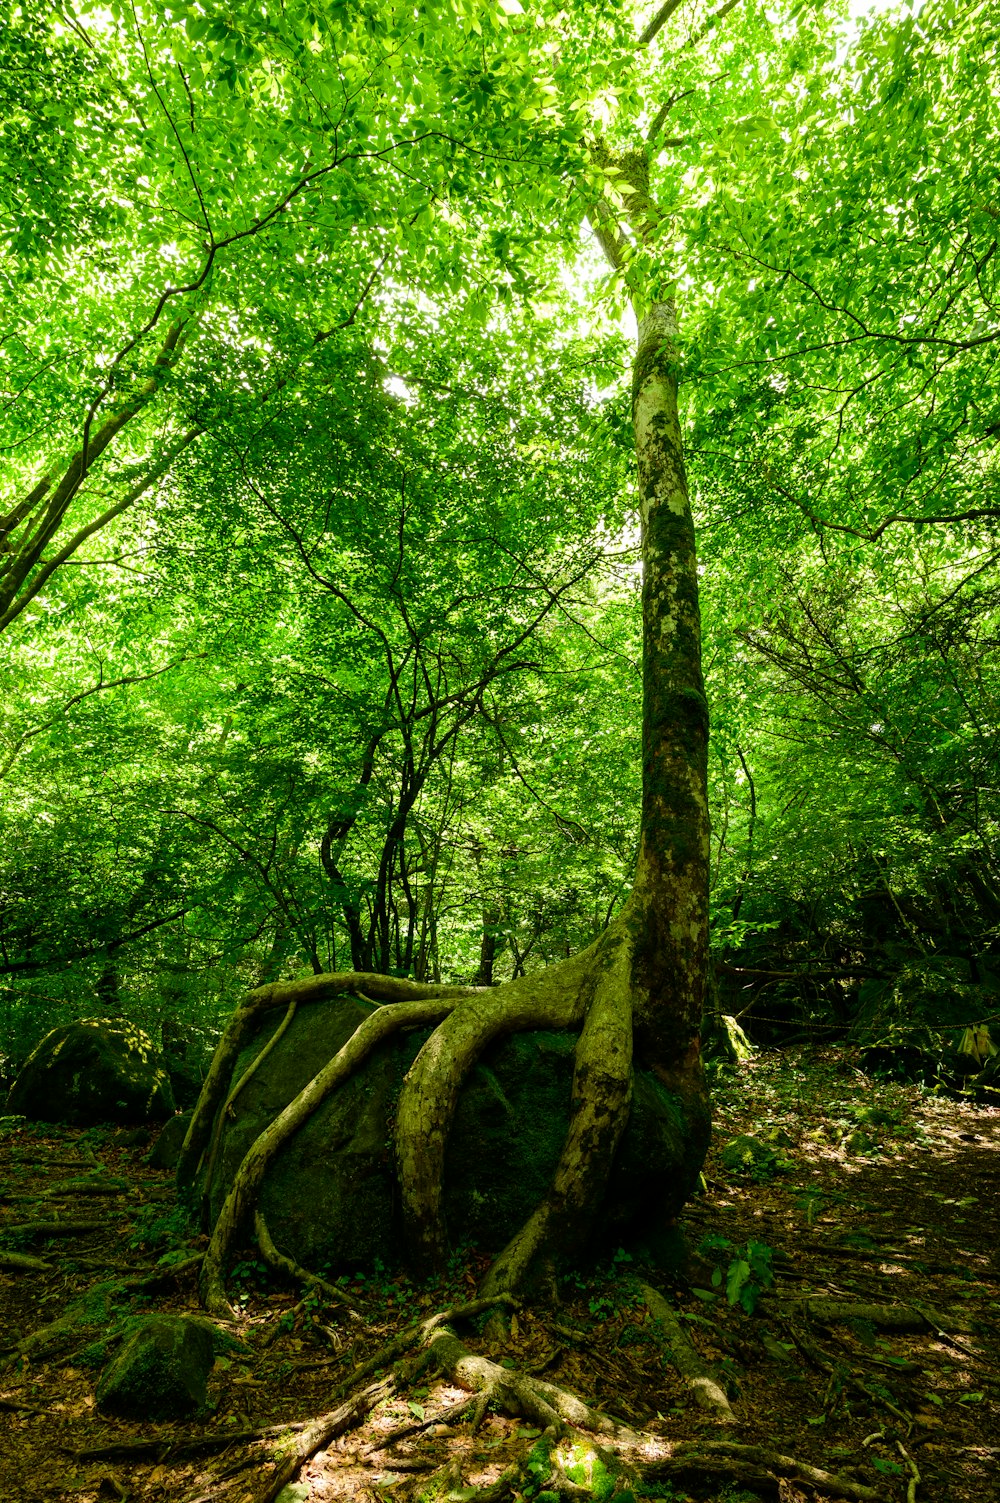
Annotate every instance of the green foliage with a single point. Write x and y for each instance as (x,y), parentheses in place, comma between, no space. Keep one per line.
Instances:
(343,664)
(155,1228)
(749,1271)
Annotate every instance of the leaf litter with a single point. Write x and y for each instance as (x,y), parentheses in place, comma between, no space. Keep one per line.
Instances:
(840,1285)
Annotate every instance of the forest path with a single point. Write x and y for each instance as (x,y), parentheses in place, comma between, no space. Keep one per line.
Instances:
(867,1194)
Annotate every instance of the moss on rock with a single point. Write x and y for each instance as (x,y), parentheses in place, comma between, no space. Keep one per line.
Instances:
(330,1196)
(94,1070)
(161,1371)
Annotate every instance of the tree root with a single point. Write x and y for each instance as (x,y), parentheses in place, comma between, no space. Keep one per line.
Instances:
(241,1199)
(222,1116)
(545,1404)
(319,1434)
(312,1281)
(704,1384)
(429,1096)
(756,1466)
(914,1482)
(264,999)
(602,1090)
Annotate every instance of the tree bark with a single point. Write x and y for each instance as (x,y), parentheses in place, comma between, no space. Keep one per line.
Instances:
(668,910)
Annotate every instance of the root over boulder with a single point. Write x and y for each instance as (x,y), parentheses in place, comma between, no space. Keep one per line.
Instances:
(331,1198)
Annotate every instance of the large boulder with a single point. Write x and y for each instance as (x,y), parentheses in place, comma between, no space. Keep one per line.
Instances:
(330,1198)
(161,1371)
(94,1070)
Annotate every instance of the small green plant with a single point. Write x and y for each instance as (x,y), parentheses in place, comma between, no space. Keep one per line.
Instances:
(748,1273)
(155,1228)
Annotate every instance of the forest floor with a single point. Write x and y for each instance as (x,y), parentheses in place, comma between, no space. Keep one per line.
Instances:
(872,1197)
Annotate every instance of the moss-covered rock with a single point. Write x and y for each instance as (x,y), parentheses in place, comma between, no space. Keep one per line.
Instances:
(746,1155)
(161,1371)
(330,1196)
(94,1070)
(167,1149)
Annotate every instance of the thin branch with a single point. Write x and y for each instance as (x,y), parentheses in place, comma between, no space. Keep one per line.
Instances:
(98,688)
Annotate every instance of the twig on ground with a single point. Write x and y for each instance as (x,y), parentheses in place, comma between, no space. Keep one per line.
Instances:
(403,1432)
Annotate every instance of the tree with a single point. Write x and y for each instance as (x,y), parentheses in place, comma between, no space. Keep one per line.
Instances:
(640,985)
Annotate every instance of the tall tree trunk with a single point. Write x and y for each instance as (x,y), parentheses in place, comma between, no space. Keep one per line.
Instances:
(668,910)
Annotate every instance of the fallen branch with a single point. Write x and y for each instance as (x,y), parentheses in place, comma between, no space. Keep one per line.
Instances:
(15,1408)
(52,1228)
(708,1392)
(84,1187)
(884,1317)
(23,1263)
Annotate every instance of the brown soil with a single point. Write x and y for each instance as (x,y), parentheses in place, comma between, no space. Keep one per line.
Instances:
(908,1214)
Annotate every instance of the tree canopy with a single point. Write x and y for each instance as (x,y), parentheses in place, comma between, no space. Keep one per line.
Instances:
(319,575)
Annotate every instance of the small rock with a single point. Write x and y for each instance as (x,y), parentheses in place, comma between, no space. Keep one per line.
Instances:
(167,1149)
(744,1154)
(161,1371)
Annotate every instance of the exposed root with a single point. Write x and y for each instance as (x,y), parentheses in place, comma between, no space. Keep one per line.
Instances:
(602,1087)
(242,1196)
(319,1434)
(427,1102)
(223,1116)
(704,1384)
(546,1404)
(914,1482)
(757,1466)
(286,1265)
(281,994)
(414,1335)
